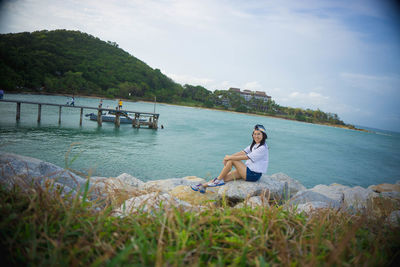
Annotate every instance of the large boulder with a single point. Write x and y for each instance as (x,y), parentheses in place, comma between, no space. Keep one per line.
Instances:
(253,202)
(305,196)
(169,184)
(130,180)
(311,207)
(386,200)
(385,188)
(294,185)
(332,195)
(333,191)
(358,198)
(240,189)
(185,193)
(24,170)
(394,218)
(150,202)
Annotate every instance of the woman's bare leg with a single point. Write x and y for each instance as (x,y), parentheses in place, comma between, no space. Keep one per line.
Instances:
(232,175)
(240,168)
(228,175)
(227,168)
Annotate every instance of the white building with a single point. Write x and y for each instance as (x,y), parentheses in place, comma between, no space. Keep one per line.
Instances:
(248,95)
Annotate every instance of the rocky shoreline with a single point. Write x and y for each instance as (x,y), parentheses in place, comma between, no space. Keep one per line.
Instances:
(130,194)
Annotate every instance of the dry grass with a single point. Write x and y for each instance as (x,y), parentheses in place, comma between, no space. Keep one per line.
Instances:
(40,227)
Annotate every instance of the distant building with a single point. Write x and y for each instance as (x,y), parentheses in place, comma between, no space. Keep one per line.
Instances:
(237,90)
(248,95)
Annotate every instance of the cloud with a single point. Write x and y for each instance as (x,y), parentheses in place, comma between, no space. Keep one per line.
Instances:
(252,86)
(383,84)
(308,97)
(188,79)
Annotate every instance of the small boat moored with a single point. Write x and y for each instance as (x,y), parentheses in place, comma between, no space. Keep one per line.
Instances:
(110,117)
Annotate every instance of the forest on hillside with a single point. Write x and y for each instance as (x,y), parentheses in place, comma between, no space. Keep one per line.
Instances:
(72,62)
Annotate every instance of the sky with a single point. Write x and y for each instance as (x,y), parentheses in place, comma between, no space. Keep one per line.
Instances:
(339,56)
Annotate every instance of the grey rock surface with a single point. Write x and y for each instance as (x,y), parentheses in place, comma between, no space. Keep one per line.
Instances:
(169,184)
(312,206)
(305,196)
(130,180)
(357,198)
(150,202)
(240,189)
(293,184)
(16,168)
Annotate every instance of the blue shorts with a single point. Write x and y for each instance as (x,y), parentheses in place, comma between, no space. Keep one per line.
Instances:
(252,176)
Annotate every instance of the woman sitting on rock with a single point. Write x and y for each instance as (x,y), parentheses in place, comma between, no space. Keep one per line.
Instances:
(256,156)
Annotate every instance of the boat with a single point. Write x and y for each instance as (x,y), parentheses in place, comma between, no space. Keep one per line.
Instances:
(110,117)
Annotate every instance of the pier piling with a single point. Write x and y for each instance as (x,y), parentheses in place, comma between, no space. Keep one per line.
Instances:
(117,121)
(39,113)
(99,121)
(18,116)
(59,115)
(80,121)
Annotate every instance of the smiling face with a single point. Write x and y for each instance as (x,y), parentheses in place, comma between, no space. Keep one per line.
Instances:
(257,136)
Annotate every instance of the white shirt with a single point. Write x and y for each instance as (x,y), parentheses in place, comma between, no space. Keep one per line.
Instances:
(258,158)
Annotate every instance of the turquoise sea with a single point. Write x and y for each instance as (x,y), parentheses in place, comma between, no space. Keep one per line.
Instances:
(194,142)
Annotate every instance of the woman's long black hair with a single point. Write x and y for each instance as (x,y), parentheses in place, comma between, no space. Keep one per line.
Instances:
(262,140)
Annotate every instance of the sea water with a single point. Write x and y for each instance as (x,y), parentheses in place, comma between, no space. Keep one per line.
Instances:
(194,142)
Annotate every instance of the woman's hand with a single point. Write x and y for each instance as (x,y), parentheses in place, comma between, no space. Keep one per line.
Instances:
(227,157)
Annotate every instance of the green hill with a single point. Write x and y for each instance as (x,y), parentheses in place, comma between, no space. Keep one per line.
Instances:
(64,61)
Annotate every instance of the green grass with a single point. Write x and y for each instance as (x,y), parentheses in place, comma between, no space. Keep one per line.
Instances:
(40,228)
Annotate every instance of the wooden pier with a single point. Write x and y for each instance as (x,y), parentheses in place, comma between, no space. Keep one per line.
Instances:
(148,119)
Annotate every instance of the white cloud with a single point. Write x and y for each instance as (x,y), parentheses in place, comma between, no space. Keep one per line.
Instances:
(188,79)
(252,86)
(378,84)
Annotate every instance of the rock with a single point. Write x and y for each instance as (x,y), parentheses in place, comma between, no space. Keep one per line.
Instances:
(305,196)
(393,195)
(150,202)
(385,188)
(239,190)
(394,218)
(381,206)
(97,178)
(56,188)
(333,191)
(310,207)
(332,195)
(253,202)
(169,184)
(358,198)
(185,193)
(130,180)
(20,168)
(294,185)
(398,182)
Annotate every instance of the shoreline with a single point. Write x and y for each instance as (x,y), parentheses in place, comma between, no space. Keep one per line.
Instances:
(214,109)
(259,115)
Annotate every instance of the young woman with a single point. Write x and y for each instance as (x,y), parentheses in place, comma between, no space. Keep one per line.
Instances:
(256,156)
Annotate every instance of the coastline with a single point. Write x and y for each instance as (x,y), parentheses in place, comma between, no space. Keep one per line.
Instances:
(182,105)
(260,115)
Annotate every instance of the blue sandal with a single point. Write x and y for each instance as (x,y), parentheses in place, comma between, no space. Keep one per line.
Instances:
(216,182)
(198,187)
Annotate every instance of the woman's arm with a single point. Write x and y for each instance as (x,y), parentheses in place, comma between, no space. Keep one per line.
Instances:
(241,155)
